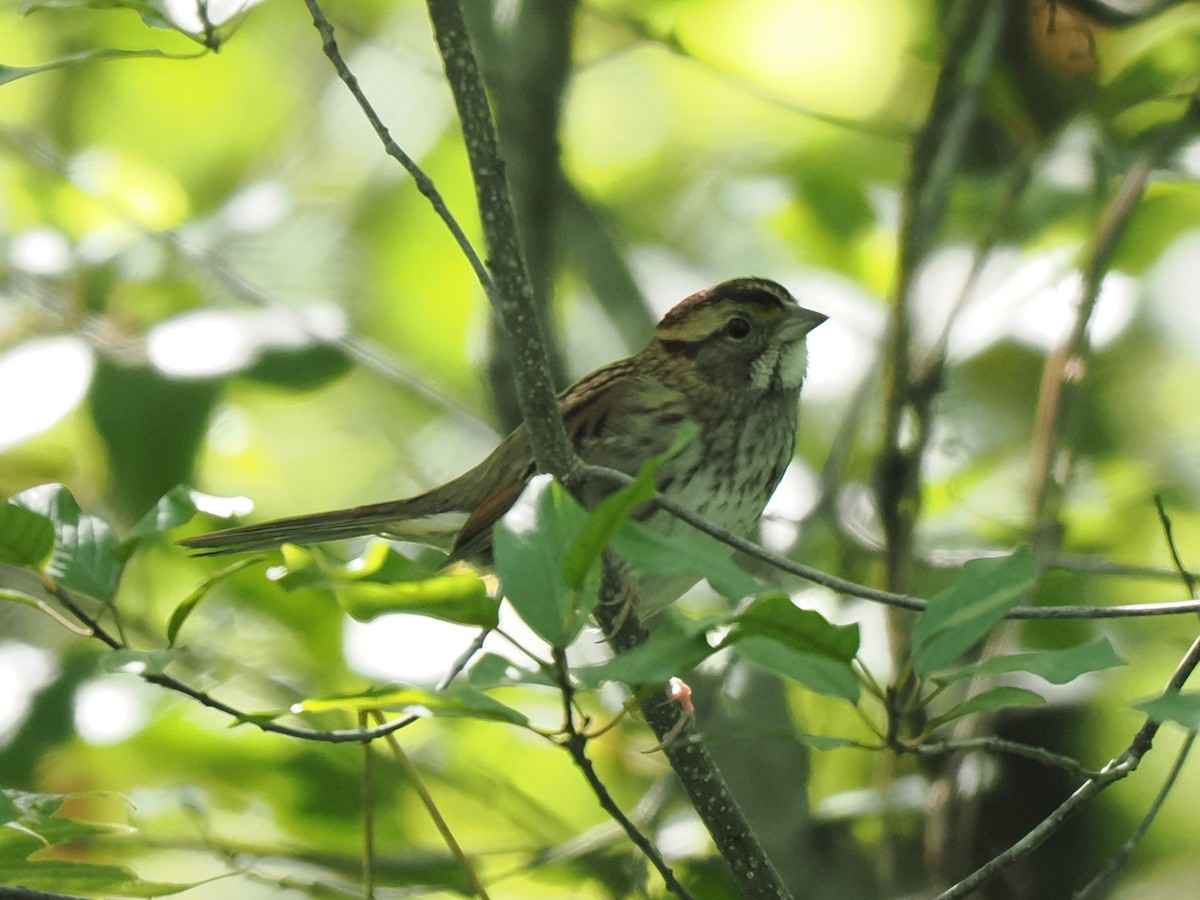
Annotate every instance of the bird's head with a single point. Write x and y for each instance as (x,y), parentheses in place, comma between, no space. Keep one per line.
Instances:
(743,334)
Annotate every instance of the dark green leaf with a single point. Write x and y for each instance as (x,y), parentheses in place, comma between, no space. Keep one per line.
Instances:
(457,701)
(26,538)
(687,552)
(1056,666)
(1182,708)
(458,597)
(603,522)
(189,603)
(173,509)
(529,560)
(137,662)
(12,73)
(996,698)
(776,617)
(986,590)
(817,672)
(493,670)
(83,878)
(673,648)
(84,557)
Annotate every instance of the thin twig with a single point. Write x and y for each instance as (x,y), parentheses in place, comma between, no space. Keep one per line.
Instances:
(339,736)
(422,181)
(367,793)
(875,595)
(443,827)
(1116,769)
(752,869)
(1121,859)
(511,294)
(1000,746)
(1123,856)
(1189,580)
(575,743)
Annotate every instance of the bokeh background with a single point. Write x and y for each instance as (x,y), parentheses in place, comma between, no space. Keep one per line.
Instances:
(211,274)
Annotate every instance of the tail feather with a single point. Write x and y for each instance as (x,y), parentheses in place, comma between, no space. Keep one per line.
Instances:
(397,518)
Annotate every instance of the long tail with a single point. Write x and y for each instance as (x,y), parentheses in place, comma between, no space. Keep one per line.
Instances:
(420,518)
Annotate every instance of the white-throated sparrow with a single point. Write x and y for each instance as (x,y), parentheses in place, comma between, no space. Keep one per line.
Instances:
(730,359)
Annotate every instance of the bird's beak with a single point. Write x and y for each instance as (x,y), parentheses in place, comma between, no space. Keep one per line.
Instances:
(801,321)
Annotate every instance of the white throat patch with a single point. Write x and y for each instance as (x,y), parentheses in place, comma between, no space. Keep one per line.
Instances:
(781,366)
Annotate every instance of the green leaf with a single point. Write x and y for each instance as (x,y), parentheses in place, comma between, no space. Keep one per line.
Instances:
(1056,666)
(13,73)
(529,560)
(1182,708)
(189,603)
(996,698)
(458,597)
(821,742)
(954,620)
(673,648)
(456,702)
(605,520)
(137,662)
(173,509)
(493,670)
(84,557)
(776,617)
(817,672)
(380,562)
(686,552)
(26,538)
(58,876)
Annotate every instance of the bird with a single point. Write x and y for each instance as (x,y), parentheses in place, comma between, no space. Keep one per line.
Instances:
(727,361)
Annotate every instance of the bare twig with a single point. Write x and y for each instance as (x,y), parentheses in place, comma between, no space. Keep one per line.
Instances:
(339,736)
(887,598)
(435,814)
(526,61)
(512,294)
(698,774)
(1000,746)
(423,182)
(1121,859)
(575,743)
(1116,769)
(367,795)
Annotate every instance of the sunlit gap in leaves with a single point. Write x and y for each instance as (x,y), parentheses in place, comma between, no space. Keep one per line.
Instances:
(40,382)
(24,670)
(110,708)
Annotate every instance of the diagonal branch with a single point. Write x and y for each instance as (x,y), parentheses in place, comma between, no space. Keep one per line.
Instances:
(513,299)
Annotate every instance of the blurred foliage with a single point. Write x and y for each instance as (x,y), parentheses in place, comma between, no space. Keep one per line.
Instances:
(211,274)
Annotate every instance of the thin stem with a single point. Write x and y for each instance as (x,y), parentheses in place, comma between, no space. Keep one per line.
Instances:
(339,736)
(996,745)
(512,293)
(752,869)
(423,182)
(875,595)
(368,814)
(1117,768)
(1122,857)
(435,814)
(575,743)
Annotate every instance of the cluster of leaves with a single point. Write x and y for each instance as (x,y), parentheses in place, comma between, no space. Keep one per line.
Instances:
(550,571)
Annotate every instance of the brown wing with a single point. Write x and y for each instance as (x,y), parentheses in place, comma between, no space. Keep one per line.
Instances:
(616,417)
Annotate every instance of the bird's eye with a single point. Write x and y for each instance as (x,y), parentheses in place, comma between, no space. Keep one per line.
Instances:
(737,328)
